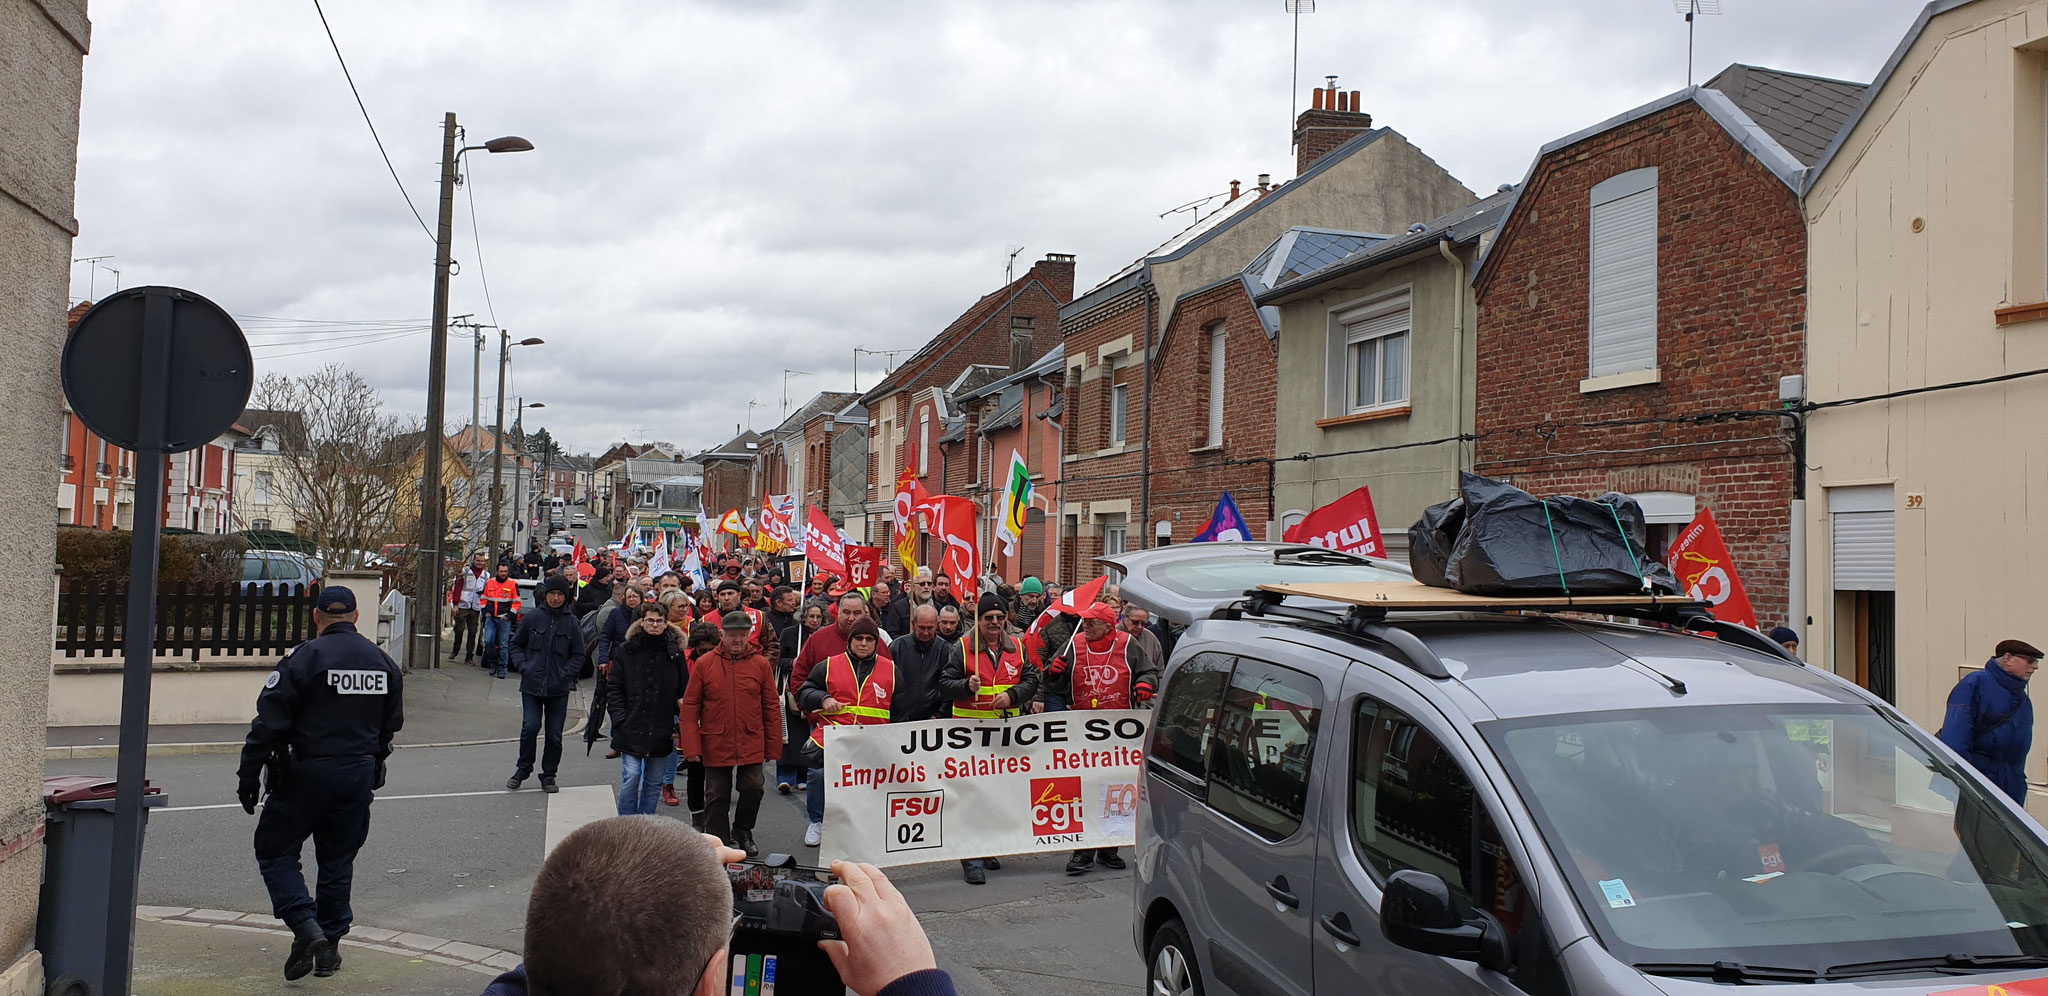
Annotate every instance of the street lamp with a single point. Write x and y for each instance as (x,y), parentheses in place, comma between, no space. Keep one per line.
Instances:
(505,345)
(426,644)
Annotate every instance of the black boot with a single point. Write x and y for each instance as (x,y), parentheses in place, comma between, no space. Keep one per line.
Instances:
(328,962)
(744,840)
(971,870)
(1109,859)
(1080,862)
(308,944)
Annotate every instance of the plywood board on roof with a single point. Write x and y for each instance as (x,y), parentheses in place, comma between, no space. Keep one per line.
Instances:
(1416,595)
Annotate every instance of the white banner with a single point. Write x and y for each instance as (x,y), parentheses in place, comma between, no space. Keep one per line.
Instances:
(950,789)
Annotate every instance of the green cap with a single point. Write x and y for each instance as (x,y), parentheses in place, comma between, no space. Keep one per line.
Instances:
(1031,586)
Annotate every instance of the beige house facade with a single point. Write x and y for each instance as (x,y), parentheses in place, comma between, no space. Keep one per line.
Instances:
(1926,515)
(42,61)
(1404,307)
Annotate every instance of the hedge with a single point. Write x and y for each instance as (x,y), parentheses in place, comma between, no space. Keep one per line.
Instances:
(94,556)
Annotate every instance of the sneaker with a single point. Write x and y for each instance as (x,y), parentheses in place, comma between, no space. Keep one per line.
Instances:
(512,784)
(974,875)
(783,787)
(814,835)
(548,785)
(744,840)
(669,797)
(497,674)
(308,943)
(1080,863)
(328,962)
(803,786)
(1110,860)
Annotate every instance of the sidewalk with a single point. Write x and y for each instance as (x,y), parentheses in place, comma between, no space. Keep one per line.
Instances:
(459,704)
(191,958)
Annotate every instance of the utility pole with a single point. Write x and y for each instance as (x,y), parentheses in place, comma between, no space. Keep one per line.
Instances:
(473,522)
(426,639)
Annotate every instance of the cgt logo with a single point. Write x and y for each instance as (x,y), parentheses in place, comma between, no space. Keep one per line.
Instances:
(1056,810)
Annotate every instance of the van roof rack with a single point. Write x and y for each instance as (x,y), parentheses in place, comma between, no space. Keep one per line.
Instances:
(1368,604)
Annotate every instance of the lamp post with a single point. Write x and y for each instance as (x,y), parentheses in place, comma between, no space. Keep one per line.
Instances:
(426,636)
(505,345)
(518,473)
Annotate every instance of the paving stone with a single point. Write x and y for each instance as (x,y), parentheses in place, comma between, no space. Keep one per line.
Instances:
(503,961)
(443,959)
(421,942)
(465,951)
(221,915)
(372,933)
(162,911)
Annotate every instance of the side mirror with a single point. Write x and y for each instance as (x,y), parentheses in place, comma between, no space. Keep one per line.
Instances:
(1416,912)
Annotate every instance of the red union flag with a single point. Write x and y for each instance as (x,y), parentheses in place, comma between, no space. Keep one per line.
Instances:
(863,565)
(1348,524)
(962,560)
(2024,987)
(1700,559)
(822,545)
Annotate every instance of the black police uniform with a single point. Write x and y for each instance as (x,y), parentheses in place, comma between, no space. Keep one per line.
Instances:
(331,709)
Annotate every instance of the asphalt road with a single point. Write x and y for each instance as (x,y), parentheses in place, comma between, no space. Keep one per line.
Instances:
(452,854)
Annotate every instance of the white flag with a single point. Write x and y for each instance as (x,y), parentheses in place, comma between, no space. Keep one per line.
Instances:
(659,564)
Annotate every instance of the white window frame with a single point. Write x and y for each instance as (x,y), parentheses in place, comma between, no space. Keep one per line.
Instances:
(924,443)
(1119,412)
(1115,535)
(1218,341)
(260,487)
(1372,325)
(1621,285)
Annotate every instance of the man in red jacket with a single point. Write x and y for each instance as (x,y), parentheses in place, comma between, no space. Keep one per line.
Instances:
(732,724)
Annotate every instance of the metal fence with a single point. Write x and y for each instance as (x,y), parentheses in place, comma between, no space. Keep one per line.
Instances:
(191,620)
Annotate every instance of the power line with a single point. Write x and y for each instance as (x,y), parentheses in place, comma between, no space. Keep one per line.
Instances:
(366,120)
(346,345)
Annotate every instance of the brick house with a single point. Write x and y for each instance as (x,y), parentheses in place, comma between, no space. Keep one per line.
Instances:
(1181,319)
(1012,414)
(729,472)
(789,460)
(1652,270)
(912,409)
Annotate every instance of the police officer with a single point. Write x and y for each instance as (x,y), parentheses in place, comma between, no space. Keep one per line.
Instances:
(323,728)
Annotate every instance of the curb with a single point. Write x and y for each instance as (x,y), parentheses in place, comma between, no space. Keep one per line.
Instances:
(73,751)
(440,950)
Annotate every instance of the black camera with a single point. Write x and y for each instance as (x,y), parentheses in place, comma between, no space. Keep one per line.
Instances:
(782,916)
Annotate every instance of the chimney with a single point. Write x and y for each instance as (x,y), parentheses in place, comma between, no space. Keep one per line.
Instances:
(1233,190)
(1021,342)
(1332,119)
(1057,272)
(1265,182)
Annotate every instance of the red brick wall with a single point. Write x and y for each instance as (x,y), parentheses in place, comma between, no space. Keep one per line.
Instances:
(1185,484)
(1100,478)
(1730,306)
(725,486)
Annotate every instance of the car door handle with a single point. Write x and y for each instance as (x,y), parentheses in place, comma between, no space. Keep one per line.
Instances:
(1339,926)
(1277,888)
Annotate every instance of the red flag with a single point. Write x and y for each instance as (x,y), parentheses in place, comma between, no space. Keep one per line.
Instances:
(863,565)
(954,523)
(579,555)
(1701,561)
(1348,524)
(822,545)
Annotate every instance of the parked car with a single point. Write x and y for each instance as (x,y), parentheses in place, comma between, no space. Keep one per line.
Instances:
(263,568)
(563,544)
(579,520)
(1366,792)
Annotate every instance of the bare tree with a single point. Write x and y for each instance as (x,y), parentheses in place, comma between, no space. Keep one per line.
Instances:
(346,462)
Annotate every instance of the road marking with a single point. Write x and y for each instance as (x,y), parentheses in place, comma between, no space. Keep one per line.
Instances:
(391,798)
(573,807)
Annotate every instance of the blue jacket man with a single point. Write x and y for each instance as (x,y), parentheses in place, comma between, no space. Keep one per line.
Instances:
(548,651)
(1990,720)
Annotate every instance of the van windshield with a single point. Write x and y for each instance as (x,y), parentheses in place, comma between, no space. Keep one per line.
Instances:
(1815,838)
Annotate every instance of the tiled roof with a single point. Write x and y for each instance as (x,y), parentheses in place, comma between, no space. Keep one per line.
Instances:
(1008,418)
(1465,223)
(1301,250)
(1803,113)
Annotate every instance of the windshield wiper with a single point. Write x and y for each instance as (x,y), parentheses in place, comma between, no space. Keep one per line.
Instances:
(1950,961)
(1728,971)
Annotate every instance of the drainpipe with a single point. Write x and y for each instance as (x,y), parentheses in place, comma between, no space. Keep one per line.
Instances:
(1443,248)
(1145,457)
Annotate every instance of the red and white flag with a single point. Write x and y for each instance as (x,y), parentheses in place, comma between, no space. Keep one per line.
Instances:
(1700,559)
(863,566)
(822,545)
(1348,524)
(954,524)
(1072,602)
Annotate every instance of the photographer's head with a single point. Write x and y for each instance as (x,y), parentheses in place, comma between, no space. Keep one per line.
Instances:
(586,921)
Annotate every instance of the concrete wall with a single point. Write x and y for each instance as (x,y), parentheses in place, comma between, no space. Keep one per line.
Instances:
(1440,379)
(219,694)
(42,56)
(1926,223)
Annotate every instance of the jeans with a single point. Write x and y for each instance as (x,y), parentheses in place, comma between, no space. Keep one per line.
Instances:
(639,789)
(555,710)
(790,774)
(1054,703)
(467,626)
(814,797)
(720,785)
(497,634)
(329,800)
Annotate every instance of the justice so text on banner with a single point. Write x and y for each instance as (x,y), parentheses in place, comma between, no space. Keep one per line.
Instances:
(950,789)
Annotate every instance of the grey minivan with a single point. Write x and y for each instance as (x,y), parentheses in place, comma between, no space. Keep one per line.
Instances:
(1344,795)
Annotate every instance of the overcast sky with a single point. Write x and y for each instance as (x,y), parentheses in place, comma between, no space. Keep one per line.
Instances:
(725,190)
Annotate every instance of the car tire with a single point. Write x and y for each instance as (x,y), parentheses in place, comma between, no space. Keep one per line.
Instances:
(1170,967)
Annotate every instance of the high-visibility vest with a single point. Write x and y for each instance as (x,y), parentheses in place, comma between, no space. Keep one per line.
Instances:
(861,703)
(996,678)
(501,598)
(1102,680)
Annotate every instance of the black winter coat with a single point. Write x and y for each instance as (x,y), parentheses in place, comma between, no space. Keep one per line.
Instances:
(548,651)
(643,694)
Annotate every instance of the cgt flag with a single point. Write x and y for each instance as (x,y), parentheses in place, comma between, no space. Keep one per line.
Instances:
(1701,561)
(1016,505)
(1348,524)
(1226,525)
(955,526)
(822,545)
(863,566)
(910,498)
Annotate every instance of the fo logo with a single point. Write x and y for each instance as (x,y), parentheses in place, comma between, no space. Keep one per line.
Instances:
(1056,810)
